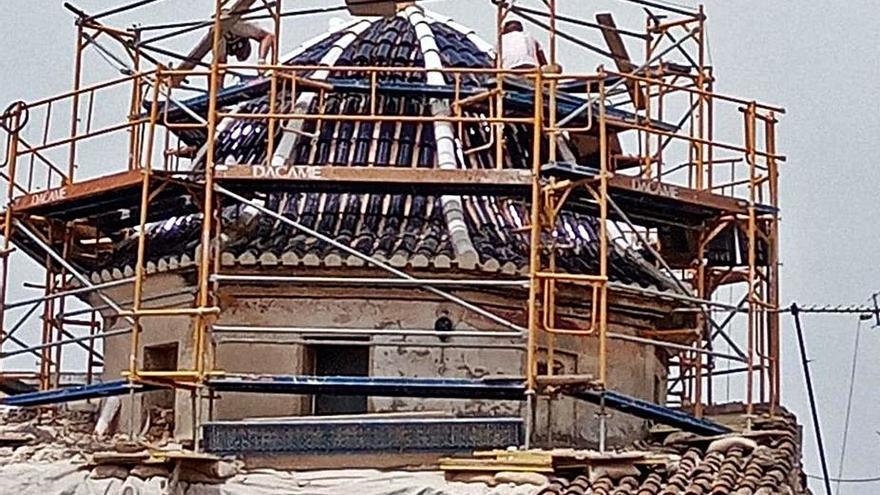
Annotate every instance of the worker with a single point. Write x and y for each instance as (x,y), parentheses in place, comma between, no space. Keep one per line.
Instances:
(237,42)
(519,49)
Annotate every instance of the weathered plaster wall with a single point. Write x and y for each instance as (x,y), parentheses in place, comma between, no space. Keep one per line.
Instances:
(156,331)
(633,368)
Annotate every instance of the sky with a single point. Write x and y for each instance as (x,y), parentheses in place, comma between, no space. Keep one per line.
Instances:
(817,59)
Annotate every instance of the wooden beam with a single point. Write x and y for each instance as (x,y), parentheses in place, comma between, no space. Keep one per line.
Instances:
(381,176)
(621,57)
(375,8)
(204,46)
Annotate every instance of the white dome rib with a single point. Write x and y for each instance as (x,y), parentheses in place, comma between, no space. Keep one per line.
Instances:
(444,135)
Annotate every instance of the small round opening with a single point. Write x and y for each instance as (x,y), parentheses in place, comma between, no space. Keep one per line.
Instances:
(443,324)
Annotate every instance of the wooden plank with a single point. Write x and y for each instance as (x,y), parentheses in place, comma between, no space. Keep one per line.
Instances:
(206,44)
(372,8)
(621,57)
(375,175)
(678,193)
(77,191)
(122,458)
(15,439)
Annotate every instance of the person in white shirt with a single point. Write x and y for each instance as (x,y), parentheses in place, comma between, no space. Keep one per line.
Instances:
(237,41)
(519,49)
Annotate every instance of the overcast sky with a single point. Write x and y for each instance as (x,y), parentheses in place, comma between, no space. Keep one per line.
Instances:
(817,59)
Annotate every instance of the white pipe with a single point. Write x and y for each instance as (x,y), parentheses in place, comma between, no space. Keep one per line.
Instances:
(403,332)
(293,128)
(444,134)
(221,127)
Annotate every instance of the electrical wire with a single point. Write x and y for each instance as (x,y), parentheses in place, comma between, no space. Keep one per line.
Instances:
(676,8)
(875,479)
(562,34)
(849,401)
(252,10)
(580,22)
(185,27)
(122,8)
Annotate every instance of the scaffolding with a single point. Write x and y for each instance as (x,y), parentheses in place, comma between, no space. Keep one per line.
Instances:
(705,208)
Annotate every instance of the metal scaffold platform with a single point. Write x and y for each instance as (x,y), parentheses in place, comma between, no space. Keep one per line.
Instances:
(72,394)
(651,169)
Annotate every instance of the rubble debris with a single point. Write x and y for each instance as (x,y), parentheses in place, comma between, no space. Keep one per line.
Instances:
(146,463)
(50,434)
(70,434)
(159,427)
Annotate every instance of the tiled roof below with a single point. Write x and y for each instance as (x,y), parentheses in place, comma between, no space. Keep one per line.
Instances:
(763,462)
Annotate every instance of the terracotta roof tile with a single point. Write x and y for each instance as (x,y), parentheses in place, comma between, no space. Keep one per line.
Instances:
(765,462)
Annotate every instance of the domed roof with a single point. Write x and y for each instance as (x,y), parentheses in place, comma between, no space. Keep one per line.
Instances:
(473,233)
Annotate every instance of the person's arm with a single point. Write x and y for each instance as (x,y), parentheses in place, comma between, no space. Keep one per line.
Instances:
(254,32)
(542,58)
(267,44)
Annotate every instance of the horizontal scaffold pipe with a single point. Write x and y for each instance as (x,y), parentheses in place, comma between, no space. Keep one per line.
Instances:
(367,343)
(671,345)
(101,335)
(71,292)
(366,331)
(271,279)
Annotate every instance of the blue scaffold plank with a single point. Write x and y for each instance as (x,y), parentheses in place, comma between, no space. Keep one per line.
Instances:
(441,388)
(654,412)
(362,435)
(71,394)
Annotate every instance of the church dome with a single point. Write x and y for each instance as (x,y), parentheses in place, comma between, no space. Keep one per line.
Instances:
(465,234)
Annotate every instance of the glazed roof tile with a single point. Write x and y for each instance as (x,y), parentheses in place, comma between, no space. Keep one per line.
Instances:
(404,229)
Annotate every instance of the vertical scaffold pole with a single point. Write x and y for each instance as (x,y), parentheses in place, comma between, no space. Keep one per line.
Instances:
(11,159)
(205,248)
(603,253)
(498,128)
(549,207)
(751,157)
(74,106)
(534,257)
(773,266)
(603,231)
(273,83)
(140,274)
